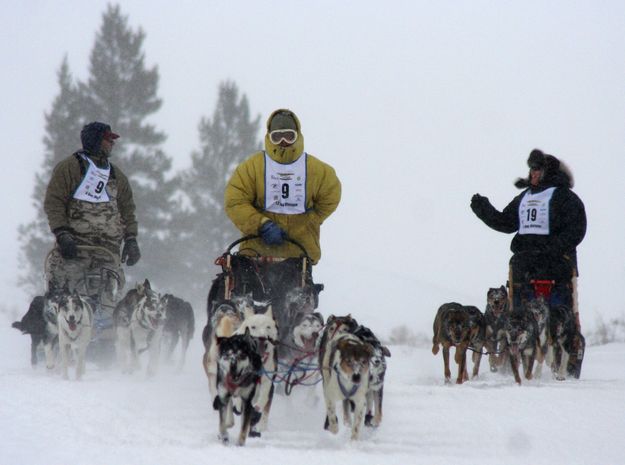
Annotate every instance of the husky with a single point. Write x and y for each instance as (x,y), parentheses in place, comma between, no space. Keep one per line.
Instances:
(306,330)
(238,374)
(75,319)
(263,328)
(346,379)
(562,332)
(40,322)
(139,320)
(521,334)
(497,309)
(377,372)
(462,327)
(179,325)
(539,309)
(224,320)
(335,326)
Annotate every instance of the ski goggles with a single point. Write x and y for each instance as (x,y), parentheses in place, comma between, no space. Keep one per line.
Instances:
(287,135)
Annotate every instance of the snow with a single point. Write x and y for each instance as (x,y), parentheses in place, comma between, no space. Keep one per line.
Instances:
(110,418)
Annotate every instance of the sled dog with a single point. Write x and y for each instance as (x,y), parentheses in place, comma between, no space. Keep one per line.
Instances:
(224,320)
(75,318)
(562,331)
(335,326)
(539,309)
(497,309)
(306,330)
(377,371)
(40,322)
(262,327)
(346,379)
(238,374)
(521,335)
(139,320)
(179,325)
(462,327)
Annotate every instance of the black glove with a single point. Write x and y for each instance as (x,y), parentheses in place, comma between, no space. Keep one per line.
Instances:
(479,204)
(271,233)
(66,243)
(130,253)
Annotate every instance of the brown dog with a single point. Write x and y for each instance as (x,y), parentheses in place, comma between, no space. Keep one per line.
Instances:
(463,328)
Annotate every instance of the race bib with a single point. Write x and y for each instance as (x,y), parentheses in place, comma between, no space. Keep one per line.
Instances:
(285,186)
(93,186)
(534,212)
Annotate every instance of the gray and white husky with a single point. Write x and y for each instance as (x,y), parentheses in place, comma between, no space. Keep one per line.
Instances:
(74,318)
(139,320)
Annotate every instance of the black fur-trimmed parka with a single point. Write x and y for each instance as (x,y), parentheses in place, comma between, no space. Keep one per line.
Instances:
(567,217)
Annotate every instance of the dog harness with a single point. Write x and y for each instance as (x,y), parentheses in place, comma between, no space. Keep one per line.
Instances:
(347,393)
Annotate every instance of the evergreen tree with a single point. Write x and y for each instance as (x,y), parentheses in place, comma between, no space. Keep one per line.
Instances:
(122,92)
(62,138)
(202,228)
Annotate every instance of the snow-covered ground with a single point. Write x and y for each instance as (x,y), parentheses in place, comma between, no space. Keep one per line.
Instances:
(108,418)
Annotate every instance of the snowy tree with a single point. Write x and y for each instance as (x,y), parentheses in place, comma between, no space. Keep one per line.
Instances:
(122,92)
(62,138)
(202,228)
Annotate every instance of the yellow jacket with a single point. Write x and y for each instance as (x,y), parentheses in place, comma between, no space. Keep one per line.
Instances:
(244,200)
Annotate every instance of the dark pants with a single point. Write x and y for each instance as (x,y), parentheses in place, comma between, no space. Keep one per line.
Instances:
(528,267)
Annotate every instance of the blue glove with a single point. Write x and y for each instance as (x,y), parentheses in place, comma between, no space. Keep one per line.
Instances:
(271,233)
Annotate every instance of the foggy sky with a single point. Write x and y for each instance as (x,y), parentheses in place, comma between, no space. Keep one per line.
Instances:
(418,105)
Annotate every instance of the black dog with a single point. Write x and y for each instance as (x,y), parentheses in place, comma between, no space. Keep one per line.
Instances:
(40,321)
(497,310)
(238,373)
(566,343)
(179,325)
(521,334)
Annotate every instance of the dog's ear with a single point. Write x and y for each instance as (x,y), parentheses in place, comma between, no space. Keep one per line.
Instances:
(146,284)
(248,312)
(269,312)
(319,316)
(385,351)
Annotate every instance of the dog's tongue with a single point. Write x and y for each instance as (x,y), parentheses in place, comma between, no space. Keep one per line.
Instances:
(309,343)
(72,326)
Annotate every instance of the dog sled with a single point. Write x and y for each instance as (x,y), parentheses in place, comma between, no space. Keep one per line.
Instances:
(96,275)
(284,283)
(557,289)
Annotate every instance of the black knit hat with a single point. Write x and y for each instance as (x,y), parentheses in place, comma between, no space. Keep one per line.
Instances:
(92,134)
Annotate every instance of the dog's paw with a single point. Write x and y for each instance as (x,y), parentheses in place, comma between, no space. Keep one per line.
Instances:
(223,438)
(254,434)
(368,418)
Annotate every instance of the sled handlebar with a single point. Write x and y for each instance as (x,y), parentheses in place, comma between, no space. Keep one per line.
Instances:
(256,236)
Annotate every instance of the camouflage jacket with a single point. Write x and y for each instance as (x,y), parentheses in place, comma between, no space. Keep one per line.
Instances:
(105,224)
